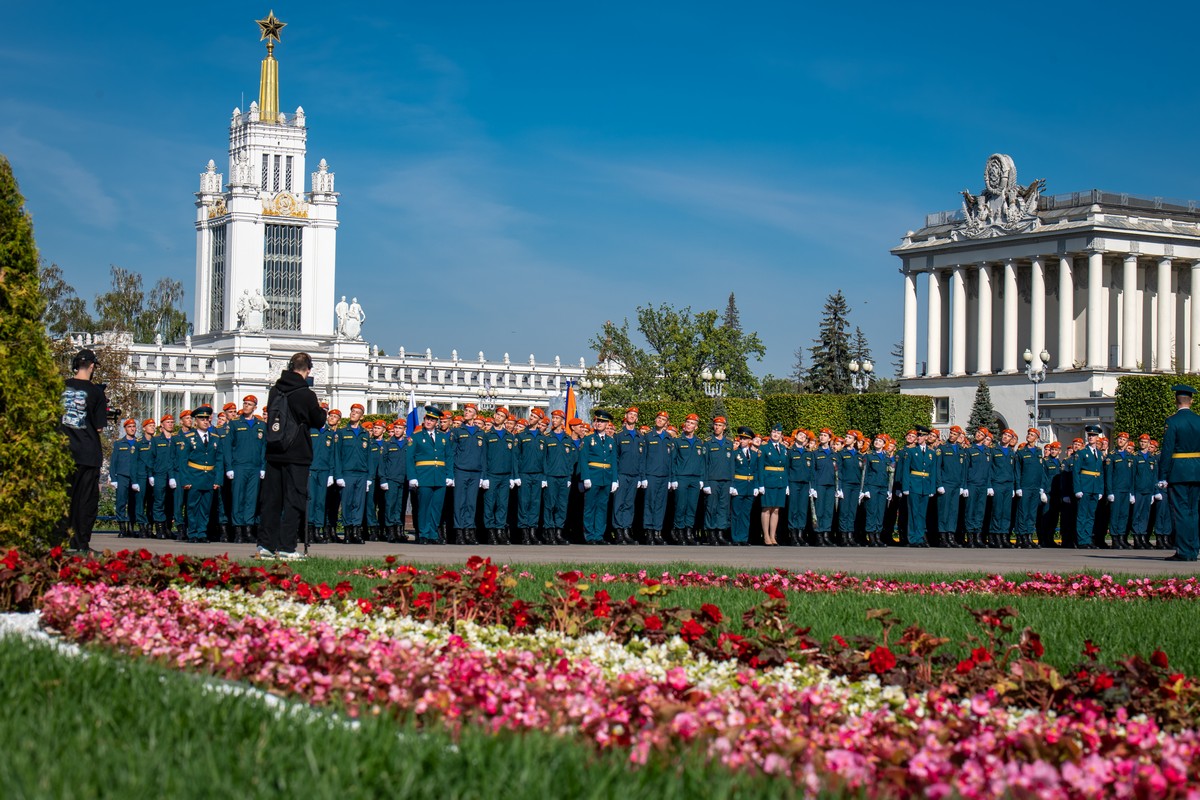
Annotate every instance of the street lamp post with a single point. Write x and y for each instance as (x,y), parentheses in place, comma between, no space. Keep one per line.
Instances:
(860,374)
(714,382)
(592,386)
(487,396)
(1036,370)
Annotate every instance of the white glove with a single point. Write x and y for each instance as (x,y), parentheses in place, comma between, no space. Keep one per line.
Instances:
(701,484)
(757,491)
(839,495)
(1158,496)
(341,482)
(1162,484)
(787,491)
(587,483)
(812,493)
(732,492)
(1019,493)
(941,490)
(171,483)
(1099,497)
(615,486)
(965,492)
(674,485)
(135,487)
(1045,499)
(262,473)
(367,490)
(1111,498)
(229,474)
(512,484)
(1132,499)
(449,481)
(516,482)
(328,481)
(413,484)
(545,484)
(707,490)
(1079,495)
(568,484)
(864,496)
(644,484)
(485,484)
(112,484)
(991,492)
(906,494)
(383,486)
(150,480)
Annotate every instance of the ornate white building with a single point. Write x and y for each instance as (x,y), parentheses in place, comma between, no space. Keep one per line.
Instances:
(1105,284)
(266,257)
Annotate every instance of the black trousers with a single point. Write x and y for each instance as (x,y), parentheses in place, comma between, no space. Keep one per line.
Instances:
(284,502)
(85,504)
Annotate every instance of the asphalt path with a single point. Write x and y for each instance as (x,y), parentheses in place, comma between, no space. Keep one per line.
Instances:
(861,560)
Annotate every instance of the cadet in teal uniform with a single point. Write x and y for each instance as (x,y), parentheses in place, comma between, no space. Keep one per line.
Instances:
(178,449)
(201,473)
(1003,489)
(223,497)
(875,490)
(499,477)
(598,477)
(393,480)
(744,487)
(1052,509)
(561,460)
(430,465)
(320,479)
(1162,507)
(245,462)
(122,471)
(1121,497)
(376,501)
(1145,487)
(799,476)
(1088,473)
(849,488)
(658,455)
(162,460)
(920,484)
(145,469)
(977,462)
(1032,485)
(718,472)
(469,461)
(951,460)
(630,451)
(687,475)
(531,469)
(351,465)
(1180,468)
(824,487)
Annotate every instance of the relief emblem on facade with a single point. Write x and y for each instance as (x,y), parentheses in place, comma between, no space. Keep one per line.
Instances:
(1004,206)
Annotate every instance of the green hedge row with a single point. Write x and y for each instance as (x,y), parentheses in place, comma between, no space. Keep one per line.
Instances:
(739,411)
(1143,402)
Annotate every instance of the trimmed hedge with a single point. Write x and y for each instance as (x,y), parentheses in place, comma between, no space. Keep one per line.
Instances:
(1143,402)
(739,411)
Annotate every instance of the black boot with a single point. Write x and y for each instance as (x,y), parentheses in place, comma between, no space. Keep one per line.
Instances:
(354,534)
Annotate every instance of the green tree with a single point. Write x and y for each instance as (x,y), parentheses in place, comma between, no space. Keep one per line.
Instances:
(983,413)
(66,312)
(733,318)
(773,385)
(33,454)
(127,308)
(829,373)
(799,373)
(120,308)
(163,313)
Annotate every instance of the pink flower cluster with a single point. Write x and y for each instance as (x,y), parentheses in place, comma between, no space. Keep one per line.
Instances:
(1038,584)
(933,746)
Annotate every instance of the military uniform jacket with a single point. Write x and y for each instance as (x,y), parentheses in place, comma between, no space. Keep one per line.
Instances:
(179,450)
(531,453)
(920,473)
(393,461)
(718,459)
(469,452)
(596,455)
(631,450)
(1179,461)
(500,455)
(322,447)
(659,454)
(745,471)
(1145,473)
(951,465)
(145,460)
(202,465)
(875,471)
(1053,469)
(430,458)
(772,465)
(1088,471)
(245,447)
(1031,475)
(689,461)
(978,463)
(562,455)
(163,458)
(351,452)
(799,468)
(374,458)
(124,461)
(824,468)
(1120,474)
(849,471)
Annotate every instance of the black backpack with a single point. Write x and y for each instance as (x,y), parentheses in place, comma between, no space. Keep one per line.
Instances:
(282,427)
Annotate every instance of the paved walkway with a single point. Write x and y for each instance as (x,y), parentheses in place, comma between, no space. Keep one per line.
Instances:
(1149,563)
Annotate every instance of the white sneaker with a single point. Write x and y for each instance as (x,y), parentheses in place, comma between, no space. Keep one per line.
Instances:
(263,552)
(289,556)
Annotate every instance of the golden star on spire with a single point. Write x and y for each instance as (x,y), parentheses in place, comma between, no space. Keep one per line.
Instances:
(270,27)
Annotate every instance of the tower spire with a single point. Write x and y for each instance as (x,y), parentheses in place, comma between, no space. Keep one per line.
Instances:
(268,84)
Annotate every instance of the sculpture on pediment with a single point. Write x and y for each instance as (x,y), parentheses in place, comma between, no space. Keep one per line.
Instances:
(250,310)
(350,318)
(1004,206)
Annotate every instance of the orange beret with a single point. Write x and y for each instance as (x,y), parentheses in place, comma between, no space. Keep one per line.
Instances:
(471,406)
(575,421)
(501,410)
(335,411)
(827,430)
(1077,440)
(166,417)
(662,414)
(184,413)
(985,431)
(558,413)
(229,407)
(359,406)
(537,412)
(250,399)
(130,421)
(146,422)
(719,419)
(1122,433)
(634,409)
(955,429)
(1054,444)
(695,417)
(1144,436)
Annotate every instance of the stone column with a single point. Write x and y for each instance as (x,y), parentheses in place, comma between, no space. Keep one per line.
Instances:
(958,333)
(1097,338)
(1162,353)
(1066,314)
(1129,326)
(1037,306)
(1010,315)
(933,347)
(985,320)
(910,325)
(1194,327)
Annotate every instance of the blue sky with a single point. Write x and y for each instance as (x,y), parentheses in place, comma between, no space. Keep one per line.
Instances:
(559,164)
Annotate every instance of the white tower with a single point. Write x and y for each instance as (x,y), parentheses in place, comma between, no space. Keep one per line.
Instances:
(262,233)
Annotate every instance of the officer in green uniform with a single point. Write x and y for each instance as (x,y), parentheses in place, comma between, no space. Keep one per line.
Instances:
(122,471)
(687,476)
(179,450)
(393,481)
(499,477)
(1180,468)
(920,482)
(145,469)
(376,500)
(1032,485)
(977,473)
(320,479)
(1051,510)
(531,469)
(223,497)
(430,465)
(561,458)
(245,465)
(799,475)
(658,464)
(718,472)
(201,473)
(1003,489)
(1088,470)
(351,448)
(744,487)
(469,462)
(875,491)
(598,478)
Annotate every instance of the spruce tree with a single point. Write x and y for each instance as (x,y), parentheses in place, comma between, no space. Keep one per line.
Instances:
(733,318)
(33,454)
(983,413)
(830,373)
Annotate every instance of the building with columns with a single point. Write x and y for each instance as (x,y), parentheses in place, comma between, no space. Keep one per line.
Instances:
(266,259)
(1102,283)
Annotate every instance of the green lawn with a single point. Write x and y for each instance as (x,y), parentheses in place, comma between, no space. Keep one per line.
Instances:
(1119,627)
(113,727)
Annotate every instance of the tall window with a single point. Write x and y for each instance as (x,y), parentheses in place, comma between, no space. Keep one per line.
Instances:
(216,308)
(287,177)
(281,276)
(277,160)
(172,403)
(201,399)
(266,172)
(145,407)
